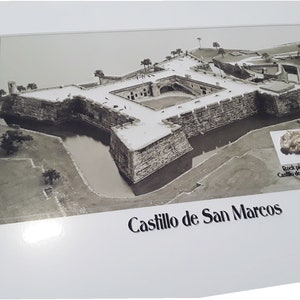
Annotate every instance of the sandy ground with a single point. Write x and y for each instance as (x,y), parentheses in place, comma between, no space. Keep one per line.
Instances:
(165,102)
(248,166)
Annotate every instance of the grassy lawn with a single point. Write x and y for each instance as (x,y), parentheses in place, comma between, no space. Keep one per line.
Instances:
(248,166)
(210,53)
(206,53)
(21,183)
(280,49)
(240,176)
(21,192)
(295,61)
(253,173)
(231,58)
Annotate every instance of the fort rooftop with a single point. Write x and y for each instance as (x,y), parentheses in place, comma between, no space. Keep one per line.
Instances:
(144,138)
(150,125)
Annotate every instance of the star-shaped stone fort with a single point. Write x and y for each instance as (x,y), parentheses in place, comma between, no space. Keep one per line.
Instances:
(150,116)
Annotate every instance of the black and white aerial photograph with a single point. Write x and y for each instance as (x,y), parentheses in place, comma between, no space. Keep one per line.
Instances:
(103,121)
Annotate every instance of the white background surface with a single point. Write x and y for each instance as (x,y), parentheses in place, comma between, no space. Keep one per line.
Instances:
(96,255)
(28,17)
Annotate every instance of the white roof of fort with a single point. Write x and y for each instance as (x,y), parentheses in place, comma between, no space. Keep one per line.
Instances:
(150,127)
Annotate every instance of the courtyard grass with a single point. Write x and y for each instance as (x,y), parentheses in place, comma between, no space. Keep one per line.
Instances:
(167,101)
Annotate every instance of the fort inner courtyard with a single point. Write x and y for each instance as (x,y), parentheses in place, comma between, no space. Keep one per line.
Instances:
(146,139)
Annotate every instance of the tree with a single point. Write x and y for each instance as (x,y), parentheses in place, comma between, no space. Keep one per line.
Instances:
(31,86)
(21,88)
(8,145)
(178,51)
(221,51)
(216,45)
(2,93)
(11,139)
(99,74)
(147,63)
(199,40)
(50,175)
(18,136)
(78,105)
(173,53)
(266,56)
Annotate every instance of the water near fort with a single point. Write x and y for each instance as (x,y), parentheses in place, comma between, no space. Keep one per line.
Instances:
(89,147)
(53,60)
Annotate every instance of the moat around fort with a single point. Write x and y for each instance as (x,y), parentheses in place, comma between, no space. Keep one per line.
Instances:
(89,148)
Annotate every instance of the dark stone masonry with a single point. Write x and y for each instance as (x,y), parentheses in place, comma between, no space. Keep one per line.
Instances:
(139,164)
(281,104)
(77,108)
(217,114)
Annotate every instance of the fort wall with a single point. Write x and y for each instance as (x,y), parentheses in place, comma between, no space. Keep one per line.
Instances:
(202,88)
(136,92)
(58,112)
(137,165)
(122,156)
(216,115)
(170,83)
(280,104)
(234,70)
